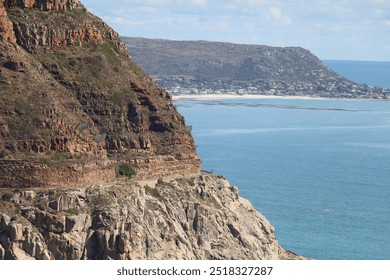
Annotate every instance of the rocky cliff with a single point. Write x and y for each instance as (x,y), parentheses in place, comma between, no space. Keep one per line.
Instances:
(203,67)
(75,108)
(95,161)
(194,218)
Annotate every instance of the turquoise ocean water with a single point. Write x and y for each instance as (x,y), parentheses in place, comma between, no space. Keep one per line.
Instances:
(319,170)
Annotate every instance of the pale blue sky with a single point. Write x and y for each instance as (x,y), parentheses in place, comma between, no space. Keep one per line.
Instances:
(331,29)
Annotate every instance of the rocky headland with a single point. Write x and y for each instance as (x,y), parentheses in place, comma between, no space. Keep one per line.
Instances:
(95,161)
(203,67)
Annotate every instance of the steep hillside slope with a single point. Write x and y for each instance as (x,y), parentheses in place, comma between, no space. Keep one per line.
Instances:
(75,107)
(215,67)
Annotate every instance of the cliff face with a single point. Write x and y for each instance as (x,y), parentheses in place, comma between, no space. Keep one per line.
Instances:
(194,218)
(75,109)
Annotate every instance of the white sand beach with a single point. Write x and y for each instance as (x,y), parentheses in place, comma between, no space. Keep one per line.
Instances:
(236,96)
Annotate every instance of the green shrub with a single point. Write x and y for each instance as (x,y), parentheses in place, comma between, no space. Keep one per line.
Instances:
(127,170)
(118,99)
(7,196)
(153,192)
(56,156)
(110,52)
(73,211)
(3,154)
(191,182)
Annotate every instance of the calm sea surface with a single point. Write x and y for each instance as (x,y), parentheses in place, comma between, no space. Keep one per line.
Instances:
(373,73)
(319,170)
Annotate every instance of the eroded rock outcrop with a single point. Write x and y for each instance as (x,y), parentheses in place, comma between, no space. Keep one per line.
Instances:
(46,5)
(6,29)
(189,218)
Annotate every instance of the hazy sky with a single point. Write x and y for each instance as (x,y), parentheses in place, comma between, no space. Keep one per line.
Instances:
(331,29)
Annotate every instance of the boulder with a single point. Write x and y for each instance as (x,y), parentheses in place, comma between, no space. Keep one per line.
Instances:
(28,195)
(15,232)
(4,221)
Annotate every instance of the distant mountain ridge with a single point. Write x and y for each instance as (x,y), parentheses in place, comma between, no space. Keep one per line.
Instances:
(191,67)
